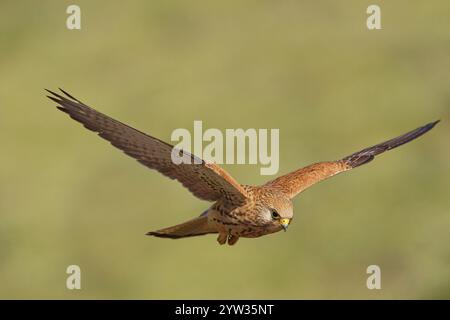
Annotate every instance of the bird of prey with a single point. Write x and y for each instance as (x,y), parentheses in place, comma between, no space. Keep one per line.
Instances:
(238,210)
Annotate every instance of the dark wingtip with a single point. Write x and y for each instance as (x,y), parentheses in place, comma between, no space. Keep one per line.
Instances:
(54,99)
(432,124)
(59,96)
(65,92)
(368,154)
(70,96)
(51,92)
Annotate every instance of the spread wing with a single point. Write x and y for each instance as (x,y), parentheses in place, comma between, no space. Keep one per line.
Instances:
(206,181)
(295,182)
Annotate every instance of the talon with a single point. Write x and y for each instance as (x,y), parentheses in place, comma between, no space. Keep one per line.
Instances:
(222,239)
(232,240)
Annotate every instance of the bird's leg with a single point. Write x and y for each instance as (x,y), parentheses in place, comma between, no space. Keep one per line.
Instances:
(232,239)
(222,238)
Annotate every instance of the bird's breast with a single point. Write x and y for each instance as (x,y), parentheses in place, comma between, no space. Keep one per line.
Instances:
(236,225)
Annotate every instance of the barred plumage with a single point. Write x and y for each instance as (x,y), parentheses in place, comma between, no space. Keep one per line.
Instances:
(238,210)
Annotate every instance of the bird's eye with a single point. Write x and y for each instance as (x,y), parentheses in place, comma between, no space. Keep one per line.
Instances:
(275,215)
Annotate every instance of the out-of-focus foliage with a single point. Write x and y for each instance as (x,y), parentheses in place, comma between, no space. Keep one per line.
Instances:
(310,68)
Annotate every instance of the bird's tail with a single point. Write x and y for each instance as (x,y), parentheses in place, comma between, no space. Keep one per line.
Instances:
(195,227)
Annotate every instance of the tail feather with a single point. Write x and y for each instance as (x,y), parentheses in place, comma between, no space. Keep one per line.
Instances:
(195,227)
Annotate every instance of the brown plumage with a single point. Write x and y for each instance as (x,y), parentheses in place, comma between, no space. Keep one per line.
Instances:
(238,210)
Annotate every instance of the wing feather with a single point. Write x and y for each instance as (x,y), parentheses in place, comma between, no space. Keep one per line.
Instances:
(297,181)
(206,181)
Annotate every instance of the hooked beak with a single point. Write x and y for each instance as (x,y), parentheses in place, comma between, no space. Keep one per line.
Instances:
(285,223)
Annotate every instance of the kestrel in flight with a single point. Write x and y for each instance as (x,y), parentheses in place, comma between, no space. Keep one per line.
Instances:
(238,210)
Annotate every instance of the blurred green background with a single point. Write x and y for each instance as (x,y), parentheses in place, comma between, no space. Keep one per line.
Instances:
(310,68)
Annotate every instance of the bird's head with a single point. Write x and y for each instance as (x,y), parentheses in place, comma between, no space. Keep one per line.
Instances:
(277,211)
